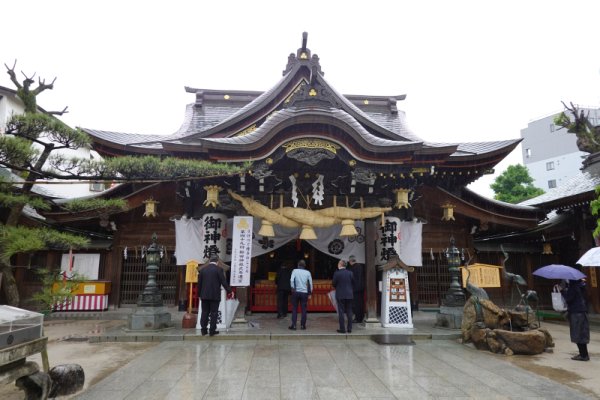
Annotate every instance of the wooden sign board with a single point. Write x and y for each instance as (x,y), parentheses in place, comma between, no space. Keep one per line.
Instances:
(191,272)
(482,275)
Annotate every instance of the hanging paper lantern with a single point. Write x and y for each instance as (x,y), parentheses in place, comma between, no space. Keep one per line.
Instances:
(348,228)
(151,210)
(402,198)
(212,195)
(308,233)
(266,229)
(448,212)
(547,248)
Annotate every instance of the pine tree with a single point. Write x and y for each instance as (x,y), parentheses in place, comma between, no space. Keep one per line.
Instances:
(28,149)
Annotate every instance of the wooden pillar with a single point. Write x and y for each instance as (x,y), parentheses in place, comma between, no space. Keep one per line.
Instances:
(371,271)
(113,271)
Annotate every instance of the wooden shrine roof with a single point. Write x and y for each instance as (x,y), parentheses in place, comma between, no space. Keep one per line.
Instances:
(235,125)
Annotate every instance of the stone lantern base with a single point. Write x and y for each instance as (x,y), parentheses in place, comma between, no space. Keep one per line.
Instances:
(449,317)
(150,319)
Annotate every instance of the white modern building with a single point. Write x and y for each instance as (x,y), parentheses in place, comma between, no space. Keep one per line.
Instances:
(11,104)
(550,153)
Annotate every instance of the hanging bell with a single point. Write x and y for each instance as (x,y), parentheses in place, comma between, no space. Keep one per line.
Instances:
(266,229)
(308,233)
(348,228)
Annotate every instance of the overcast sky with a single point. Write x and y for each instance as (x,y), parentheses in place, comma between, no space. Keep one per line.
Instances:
(471,70)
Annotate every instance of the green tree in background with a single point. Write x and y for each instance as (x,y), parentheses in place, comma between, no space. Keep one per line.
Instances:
(515,185)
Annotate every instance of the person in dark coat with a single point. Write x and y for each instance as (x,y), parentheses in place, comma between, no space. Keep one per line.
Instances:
(574,294)
(358,306)
(284,289)
(343,282)
(210,279)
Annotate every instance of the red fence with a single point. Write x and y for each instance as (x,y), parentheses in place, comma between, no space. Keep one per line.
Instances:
(263,298)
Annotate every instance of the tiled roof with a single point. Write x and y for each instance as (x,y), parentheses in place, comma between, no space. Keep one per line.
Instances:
(582,183)
(285,114)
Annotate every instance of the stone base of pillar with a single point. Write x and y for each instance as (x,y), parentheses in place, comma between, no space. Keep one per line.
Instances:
(372,323)
(149,319)
(449,317)
(239,321)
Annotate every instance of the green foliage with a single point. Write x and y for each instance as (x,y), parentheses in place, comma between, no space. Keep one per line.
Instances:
(21,239)
(515,185)
(155,168)
(78,205)
(16,151)
(595,209)
(33,126)
(55,289)
(578,123)
(13,200)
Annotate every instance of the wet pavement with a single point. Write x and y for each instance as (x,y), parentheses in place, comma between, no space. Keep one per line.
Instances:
(322,369)
(262,359)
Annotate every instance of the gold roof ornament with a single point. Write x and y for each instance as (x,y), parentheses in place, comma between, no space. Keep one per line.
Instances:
(448,212)
(266,229)
(348,228)
(151,210)
(547,248)
(308,233)
(212,195)
(402,198)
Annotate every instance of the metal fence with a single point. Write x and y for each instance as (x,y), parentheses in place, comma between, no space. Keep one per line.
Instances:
(134,278)
(433,279)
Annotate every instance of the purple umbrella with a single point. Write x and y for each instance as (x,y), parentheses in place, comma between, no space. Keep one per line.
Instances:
(558,271)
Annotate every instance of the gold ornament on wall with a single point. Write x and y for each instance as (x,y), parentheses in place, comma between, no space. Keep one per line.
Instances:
(151,210)
(212,195)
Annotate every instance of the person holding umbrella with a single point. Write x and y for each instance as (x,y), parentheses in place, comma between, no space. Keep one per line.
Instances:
(574,294)
(573,291)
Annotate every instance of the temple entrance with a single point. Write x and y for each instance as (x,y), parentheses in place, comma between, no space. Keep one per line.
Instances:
(263,291)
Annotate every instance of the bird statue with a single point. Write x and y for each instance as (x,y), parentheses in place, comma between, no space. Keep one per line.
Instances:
(514,280)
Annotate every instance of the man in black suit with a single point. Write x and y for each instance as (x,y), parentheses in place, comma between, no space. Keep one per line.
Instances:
(284,289)
(343,282)
(210,279)
(358,306)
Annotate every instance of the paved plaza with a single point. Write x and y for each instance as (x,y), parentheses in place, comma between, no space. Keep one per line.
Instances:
(322,369)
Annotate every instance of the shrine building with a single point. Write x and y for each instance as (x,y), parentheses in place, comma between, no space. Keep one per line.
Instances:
(329,176)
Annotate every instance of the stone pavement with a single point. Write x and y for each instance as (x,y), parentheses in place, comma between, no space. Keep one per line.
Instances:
(267,326)
(322,369)
(264,360)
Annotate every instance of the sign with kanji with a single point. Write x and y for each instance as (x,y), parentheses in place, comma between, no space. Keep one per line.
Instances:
(388,240)
(482,275)
(191,272)
(241,251)
(214,235)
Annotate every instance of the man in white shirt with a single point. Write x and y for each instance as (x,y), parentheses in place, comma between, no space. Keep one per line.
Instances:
(301,283)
